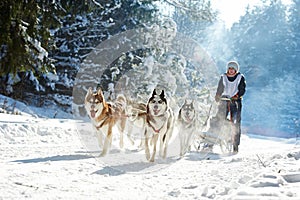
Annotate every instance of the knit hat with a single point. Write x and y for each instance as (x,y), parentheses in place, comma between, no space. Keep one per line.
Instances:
(233,64)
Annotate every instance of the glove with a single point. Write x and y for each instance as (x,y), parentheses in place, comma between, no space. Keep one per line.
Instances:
(217,98)
(234,98)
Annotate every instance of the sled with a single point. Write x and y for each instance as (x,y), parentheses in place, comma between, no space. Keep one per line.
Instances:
(223,138)
(221,135)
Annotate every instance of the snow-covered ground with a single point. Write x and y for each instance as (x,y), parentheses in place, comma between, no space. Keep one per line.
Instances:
(43,158)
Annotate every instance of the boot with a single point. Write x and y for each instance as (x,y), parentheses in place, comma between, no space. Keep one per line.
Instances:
(235,148)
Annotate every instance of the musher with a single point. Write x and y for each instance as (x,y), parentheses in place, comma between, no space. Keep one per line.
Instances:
(232,86)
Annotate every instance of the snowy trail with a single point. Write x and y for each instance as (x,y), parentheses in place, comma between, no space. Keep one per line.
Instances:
(45,159)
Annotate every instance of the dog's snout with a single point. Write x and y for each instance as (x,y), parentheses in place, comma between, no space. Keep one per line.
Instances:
(155,106)
(92,106)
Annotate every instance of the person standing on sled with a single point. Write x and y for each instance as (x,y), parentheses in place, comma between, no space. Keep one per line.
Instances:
(232,85)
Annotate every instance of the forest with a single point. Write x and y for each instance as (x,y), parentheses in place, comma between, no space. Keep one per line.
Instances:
(44,44)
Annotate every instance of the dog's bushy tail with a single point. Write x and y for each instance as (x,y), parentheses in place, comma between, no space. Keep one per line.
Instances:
(120,104)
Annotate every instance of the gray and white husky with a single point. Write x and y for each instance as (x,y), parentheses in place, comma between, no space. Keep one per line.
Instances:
(186,126)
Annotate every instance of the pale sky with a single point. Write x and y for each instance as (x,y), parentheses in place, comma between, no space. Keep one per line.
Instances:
(231,10)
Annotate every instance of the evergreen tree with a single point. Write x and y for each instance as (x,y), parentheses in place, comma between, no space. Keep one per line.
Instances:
(193,17)
(294,43)
(259,39)
(24,35)
(82,33)
(262,42)
(61,33)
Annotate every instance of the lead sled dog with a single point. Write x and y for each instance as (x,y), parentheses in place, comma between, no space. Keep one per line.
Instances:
(159,124)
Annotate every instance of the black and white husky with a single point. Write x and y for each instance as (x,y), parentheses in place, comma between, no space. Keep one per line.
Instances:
(159,124)
(186,125)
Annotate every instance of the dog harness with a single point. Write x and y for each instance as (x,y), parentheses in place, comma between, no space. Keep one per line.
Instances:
(104,122)
(155,130)
(150,125)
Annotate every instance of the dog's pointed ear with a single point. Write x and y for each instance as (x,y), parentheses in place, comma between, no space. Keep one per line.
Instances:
(154,92)
(162,94)
(89,92)
(99,91)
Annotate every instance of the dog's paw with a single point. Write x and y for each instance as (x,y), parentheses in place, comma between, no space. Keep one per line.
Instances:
(102,154)
(147,155)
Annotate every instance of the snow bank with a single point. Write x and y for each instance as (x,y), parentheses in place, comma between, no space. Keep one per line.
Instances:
(44,158)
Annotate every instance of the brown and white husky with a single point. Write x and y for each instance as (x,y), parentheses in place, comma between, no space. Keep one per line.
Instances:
(105,116)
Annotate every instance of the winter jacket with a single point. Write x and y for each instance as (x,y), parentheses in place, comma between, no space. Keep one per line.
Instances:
(241,86)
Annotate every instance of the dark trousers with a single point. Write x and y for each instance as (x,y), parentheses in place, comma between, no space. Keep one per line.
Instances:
(234,108)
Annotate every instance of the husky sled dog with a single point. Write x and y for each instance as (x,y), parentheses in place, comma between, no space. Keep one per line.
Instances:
(186,125)
(159,123)
(105,116)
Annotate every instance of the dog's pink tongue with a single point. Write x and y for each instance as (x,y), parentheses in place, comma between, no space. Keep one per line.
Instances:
(188,117)
(93,113)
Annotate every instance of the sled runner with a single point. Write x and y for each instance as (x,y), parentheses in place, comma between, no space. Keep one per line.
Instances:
(221,132)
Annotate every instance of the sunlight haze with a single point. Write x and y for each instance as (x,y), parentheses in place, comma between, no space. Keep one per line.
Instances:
(231,10)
